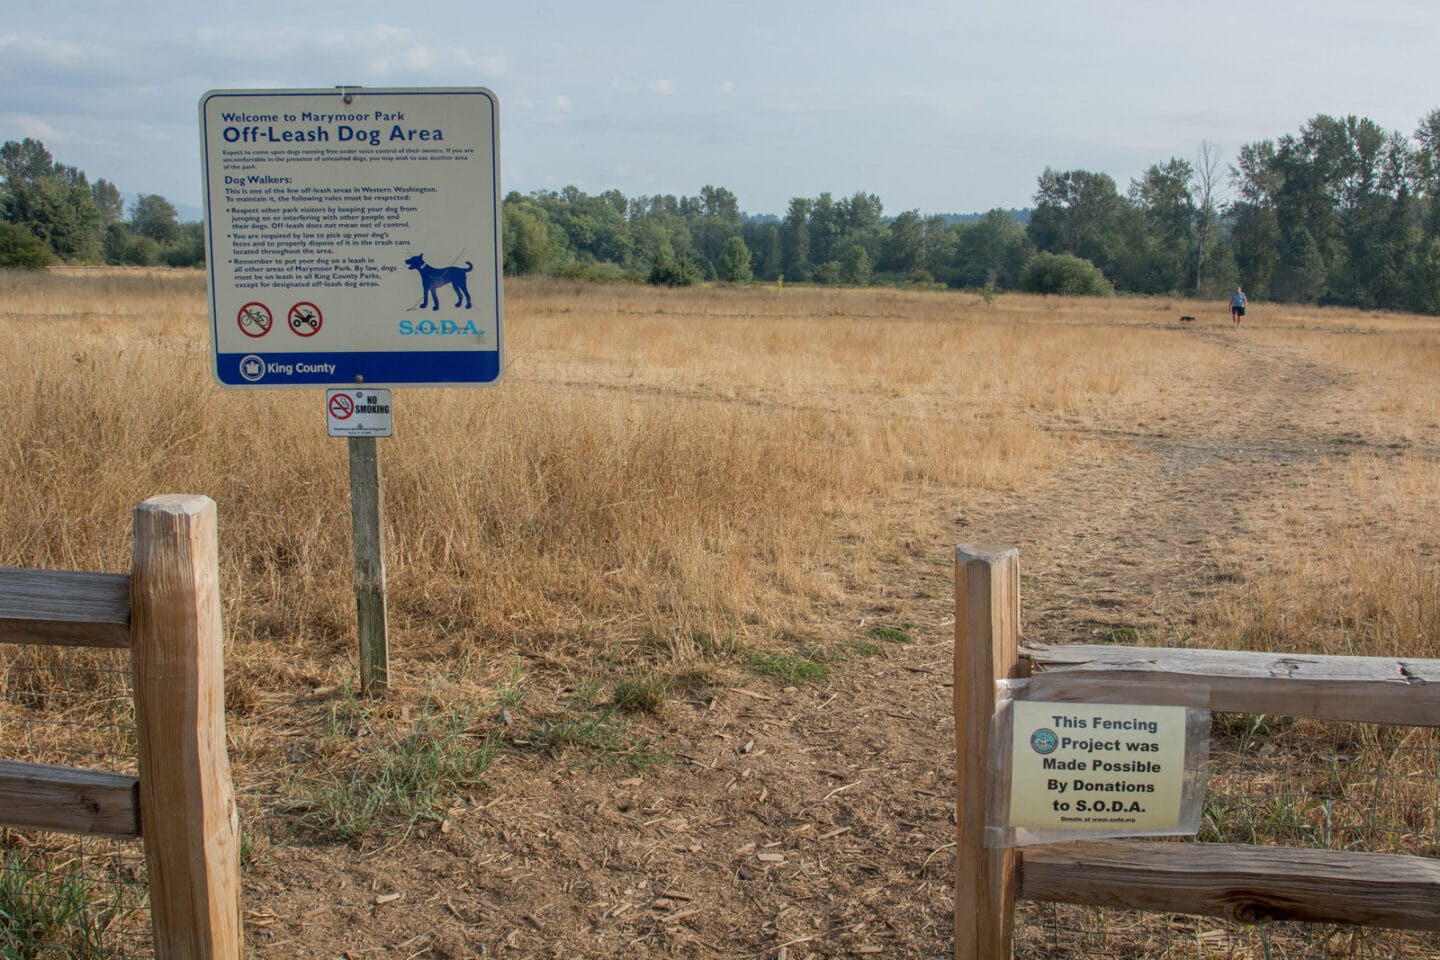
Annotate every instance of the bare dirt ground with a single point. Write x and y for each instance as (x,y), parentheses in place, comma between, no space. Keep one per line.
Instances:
(815,820)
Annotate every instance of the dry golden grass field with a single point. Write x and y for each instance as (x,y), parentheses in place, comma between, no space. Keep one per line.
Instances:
(670,607)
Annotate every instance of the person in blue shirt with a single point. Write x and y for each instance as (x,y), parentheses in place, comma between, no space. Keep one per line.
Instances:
(1237,306)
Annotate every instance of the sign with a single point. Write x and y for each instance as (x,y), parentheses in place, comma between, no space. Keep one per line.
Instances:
(1111,767)
(358,412)
(353,236)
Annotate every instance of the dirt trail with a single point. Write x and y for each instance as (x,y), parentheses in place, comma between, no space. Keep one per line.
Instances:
(1124,544)
(818,820)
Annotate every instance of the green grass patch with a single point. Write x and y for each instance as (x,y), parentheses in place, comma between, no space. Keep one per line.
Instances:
(46,916)
(400,776)
(599,736)
(900,634)
(792,667)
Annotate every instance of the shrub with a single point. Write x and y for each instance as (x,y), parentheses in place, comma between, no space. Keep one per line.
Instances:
(1066,274)
(671,271)
(21,249)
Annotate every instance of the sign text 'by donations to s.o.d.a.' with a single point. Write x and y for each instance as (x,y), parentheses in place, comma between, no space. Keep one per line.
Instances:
(1111,767)
(353,236)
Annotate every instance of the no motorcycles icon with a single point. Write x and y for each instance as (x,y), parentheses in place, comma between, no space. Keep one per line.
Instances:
(305,319)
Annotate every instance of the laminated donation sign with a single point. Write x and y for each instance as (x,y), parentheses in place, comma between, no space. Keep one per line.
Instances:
(353,236)
(1089,769)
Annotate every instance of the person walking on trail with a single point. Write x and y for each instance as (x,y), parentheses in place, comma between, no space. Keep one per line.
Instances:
(1237,306)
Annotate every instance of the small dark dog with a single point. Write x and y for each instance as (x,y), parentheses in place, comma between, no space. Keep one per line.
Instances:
(433,278)
(1187,319)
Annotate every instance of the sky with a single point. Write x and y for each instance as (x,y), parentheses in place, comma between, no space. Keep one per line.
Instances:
(935,106)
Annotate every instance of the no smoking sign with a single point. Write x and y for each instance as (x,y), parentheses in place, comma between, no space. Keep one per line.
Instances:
(358,412)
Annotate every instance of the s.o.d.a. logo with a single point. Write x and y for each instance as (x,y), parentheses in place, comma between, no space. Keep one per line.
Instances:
(1044,741)
(440,328)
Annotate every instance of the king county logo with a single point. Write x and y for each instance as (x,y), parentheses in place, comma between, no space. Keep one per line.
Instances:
(1044,741)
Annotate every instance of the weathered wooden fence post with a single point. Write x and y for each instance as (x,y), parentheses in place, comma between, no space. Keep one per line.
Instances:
(187,804)
(367,531)
(987,649)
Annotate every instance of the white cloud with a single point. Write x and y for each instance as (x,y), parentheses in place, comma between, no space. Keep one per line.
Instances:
(56,53)
(33,127)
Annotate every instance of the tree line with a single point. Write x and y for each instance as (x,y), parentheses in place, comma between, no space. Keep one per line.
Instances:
(1341,212)
(50,212)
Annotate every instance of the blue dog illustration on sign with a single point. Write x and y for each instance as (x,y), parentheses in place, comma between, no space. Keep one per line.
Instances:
(433,278)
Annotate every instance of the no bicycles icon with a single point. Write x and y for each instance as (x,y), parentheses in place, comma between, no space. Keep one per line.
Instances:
(305,319)
(254,319)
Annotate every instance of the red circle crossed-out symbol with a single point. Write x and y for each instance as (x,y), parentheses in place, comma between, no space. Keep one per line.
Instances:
(254,319)
(305,319)
(341,406)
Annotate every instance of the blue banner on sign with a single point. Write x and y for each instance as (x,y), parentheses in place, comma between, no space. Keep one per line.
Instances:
(434,367)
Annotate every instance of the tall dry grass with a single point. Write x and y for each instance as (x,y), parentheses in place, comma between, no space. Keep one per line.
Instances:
(692,467)
(697,470)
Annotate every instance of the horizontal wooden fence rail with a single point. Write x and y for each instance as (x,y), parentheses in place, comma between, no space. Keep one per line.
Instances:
(166,612)
(1237,882)
(1244,884)
(38,796)
(59,608)
(1359,689)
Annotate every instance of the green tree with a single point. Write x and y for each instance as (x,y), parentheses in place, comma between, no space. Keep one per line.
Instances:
(735,261)
(992,250)
(107,200)
(188,247)
(826,228)
(25,161)
(904,249)
(60,213)
(114,242)
(155,217)
(795,240)
(22,250)
(771,259)
(854,265)
(526,239)
(1422,281)
(1427,171)
(1081,213)
(1159,254)
(714,219)
(1301,274)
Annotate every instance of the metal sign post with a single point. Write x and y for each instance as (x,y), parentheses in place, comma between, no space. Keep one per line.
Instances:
(353,240)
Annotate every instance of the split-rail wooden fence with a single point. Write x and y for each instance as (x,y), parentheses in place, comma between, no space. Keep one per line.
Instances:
(166,612)
(1236,882)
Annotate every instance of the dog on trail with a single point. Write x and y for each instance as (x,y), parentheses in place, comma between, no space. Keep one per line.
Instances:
(433,278)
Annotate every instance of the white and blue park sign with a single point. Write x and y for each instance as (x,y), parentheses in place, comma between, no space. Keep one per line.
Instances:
(353,236)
